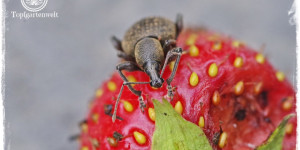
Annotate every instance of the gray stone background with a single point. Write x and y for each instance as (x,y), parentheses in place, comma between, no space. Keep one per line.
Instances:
(53,66)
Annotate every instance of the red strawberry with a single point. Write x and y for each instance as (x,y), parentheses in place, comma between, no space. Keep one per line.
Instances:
(229,90)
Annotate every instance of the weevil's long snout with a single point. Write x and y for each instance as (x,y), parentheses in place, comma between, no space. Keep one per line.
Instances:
(157,83)
(152,69)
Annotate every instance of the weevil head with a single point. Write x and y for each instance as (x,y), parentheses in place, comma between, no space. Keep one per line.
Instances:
(152,69)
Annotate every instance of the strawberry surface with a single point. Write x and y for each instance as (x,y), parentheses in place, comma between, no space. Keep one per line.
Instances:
(230,90)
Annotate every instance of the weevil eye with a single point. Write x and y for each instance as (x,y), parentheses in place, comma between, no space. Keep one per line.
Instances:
(157,83)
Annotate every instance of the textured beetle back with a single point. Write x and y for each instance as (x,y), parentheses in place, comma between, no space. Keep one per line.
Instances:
(151,26)
(148,49)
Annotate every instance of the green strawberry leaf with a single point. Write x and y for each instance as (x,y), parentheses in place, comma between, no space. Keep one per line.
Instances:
(174,132)
(275,140)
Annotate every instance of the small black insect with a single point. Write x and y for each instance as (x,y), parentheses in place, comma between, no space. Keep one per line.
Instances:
(148,46)
(216,136)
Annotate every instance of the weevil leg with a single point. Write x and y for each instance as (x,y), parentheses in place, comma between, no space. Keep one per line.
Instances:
(176,51)
(116,43)
(129,66)
(141,100)
(179,24)
(114,116)
(125,56)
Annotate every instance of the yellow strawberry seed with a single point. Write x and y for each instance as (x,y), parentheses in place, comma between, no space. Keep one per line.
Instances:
(287,104)
(239,88)
(222,140)
(99,93)
(84,148)
(172,63)
(194,51)
(236,44)
(191,39)
(178,107)
(111,86)
(217,46)
(95,142)
(289,128)
(216,98)
(151,113)
(131,79)
(201,122)
(238,62)
(213,70)
(139,137)
(194,79)
(258,88)
(84,127)
(260,58)
(112,141)
(127,106)
(95,117)
(280,76)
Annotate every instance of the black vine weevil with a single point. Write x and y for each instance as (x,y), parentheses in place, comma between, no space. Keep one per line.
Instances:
(148,46)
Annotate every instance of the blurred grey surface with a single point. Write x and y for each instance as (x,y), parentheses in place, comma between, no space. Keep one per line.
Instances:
(53,66)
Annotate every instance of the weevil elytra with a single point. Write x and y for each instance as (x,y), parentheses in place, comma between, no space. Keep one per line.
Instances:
(148,46)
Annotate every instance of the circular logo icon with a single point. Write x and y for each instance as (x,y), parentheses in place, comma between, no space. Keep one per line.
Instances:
(34,5)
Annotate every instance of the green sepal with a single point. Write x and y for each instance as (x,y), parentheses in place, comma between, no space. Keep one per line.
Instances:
(275,140)
(173,132)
